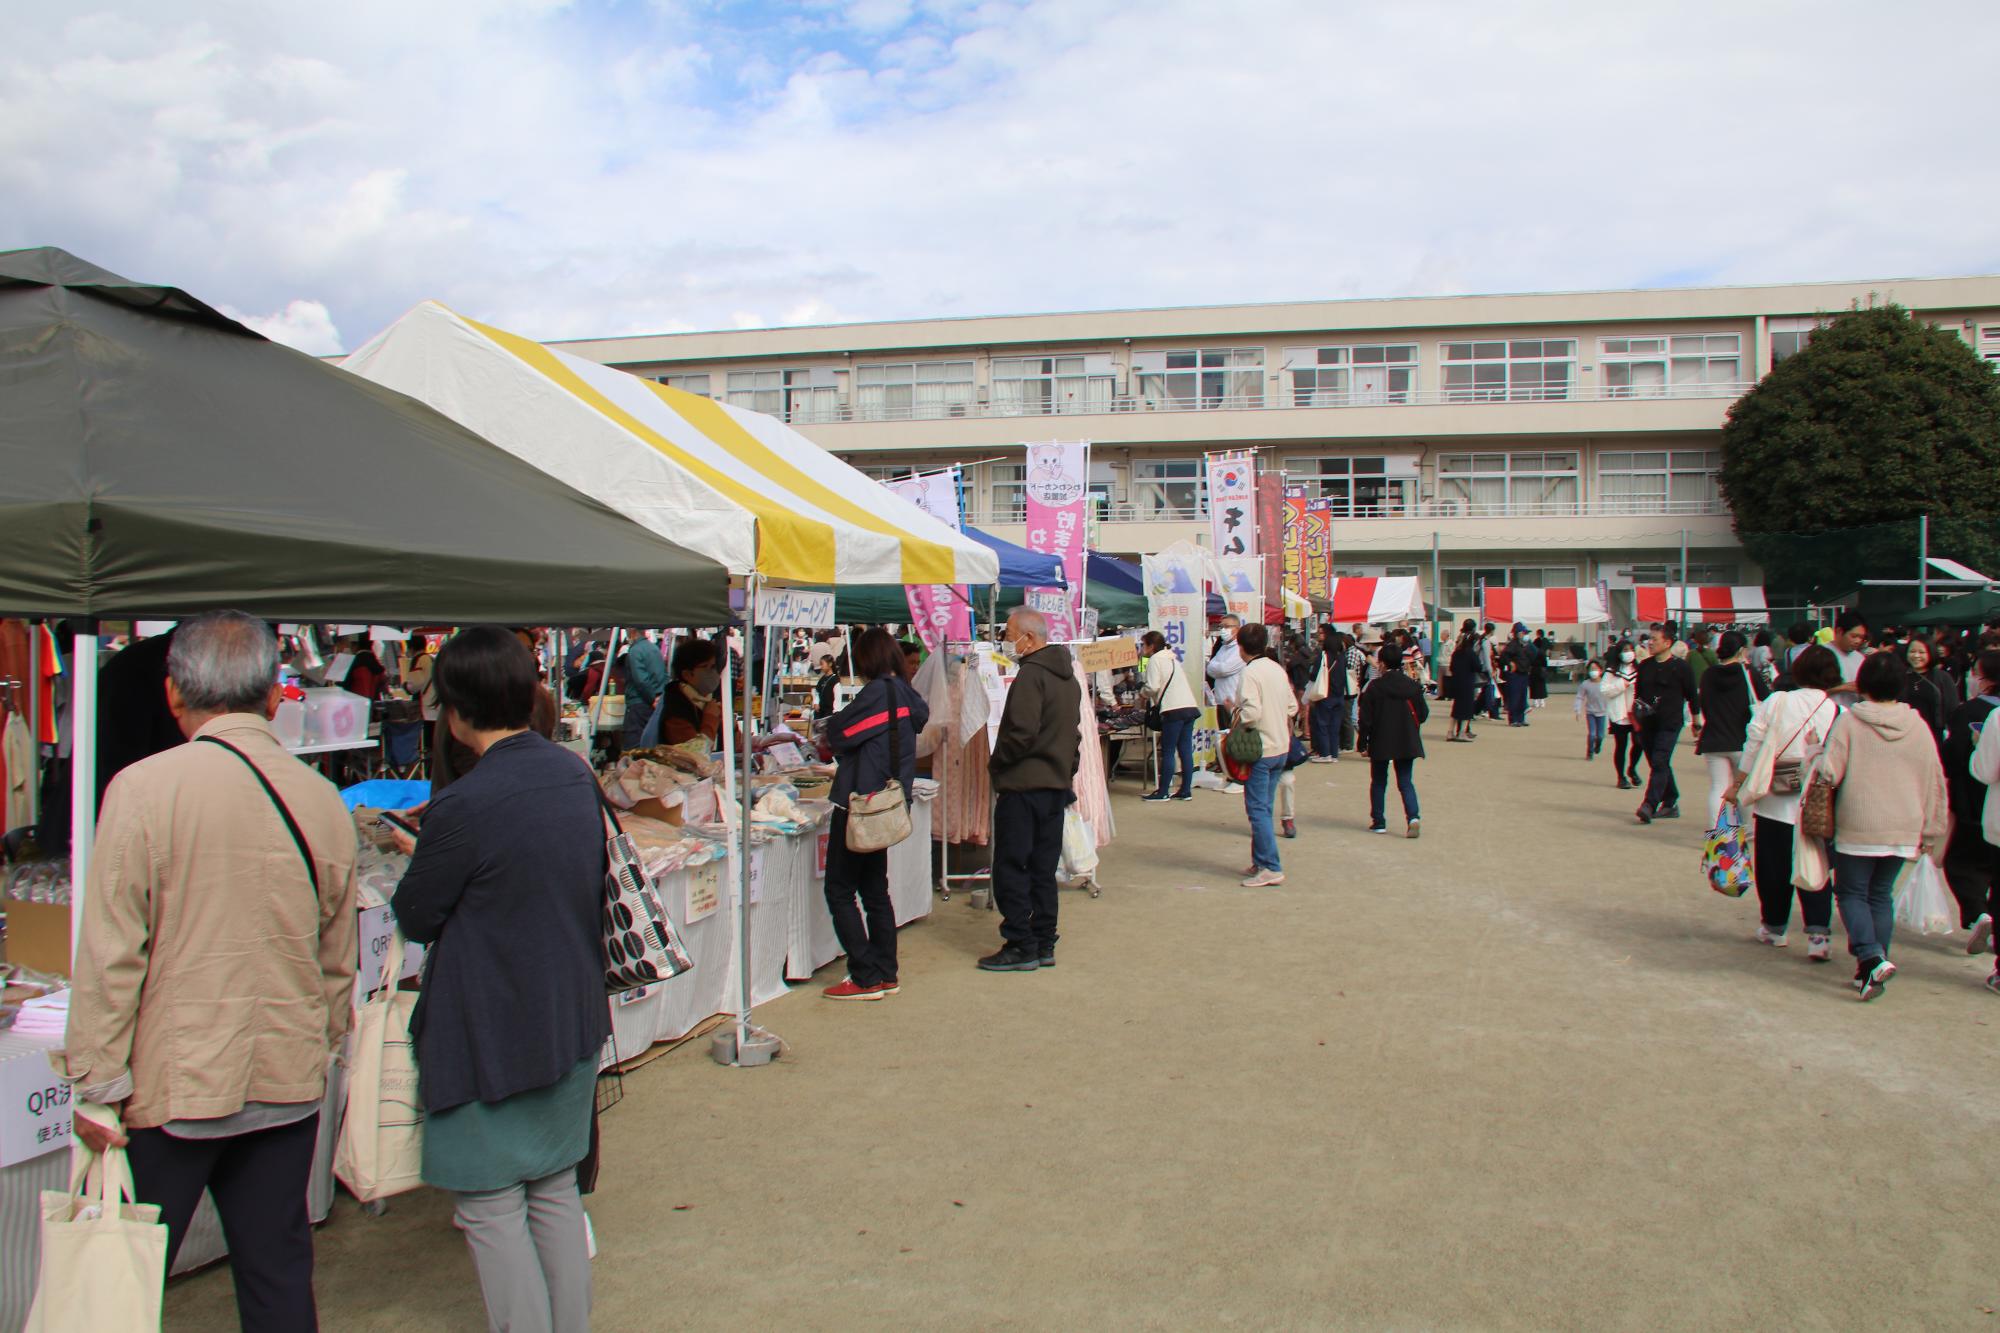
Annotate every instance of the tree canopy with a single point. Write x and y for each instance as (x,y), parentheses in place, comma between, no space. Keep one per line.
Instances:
(1878,420)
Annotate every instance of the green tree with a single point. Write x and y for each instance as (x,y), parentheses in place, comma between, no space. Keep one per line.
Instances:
(1878,420)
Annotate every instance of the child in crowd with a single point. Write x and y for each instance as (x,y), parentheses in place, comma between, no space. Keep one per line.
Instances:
(1591,707)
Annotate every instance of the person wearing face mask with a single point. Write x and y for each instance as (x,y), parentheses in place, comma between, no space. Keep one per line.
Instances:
(690,706)
(1035,760)
(1617,686)
(1225,669)
(1590,706)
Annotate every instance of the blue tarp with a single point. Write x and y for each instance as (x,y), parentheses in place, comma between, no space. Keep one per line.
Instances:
(1110,572)
(386,794)
(1020,567)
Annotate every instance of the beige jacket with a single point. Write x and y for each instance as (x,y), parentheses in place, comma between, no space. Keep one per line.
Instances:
(207,973)
(1889,784)
(1267,703)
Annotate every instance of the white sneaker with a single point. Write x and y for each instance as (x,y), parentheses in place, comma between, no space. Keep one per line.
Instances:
(1232,789)
(1264,879)
(1982,935)
(1819,949)
(1324,759)
(1765,936)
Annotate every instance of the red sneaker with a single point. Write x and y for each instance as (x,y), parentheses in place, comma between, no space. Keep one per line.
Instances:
(847,990)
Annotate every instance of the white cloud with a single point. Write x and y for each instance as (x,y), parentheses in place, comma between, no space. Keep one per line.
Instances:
(306,325)
(574,170)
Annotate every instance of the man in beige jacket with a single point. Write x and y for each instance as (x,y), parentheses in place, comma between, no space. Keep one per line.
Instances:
(215,967)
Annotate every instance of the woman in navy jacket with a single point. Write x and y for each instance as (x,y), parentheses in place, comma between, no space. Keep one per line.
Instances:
(859,736)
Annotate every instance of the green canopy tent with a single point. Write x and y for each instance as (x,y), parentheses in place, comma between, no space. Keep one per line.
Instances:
(1972,608)
(162,460)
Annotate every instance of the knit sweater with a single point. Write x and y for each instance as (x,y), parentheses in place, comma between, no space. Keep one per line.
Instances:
(1889,785)
(1268,704)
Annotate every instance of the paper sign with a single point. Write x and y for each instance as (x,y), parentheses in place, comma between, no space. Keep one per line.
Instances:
(377,930)
(698,805)
(1107,654)
(785,756)
(757,877)
(704,892)
(34,1108)
(794,609)
(1086,623)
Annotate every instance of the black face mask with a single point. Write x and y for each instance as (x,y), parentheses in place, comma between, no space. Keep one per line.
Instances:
(707,681)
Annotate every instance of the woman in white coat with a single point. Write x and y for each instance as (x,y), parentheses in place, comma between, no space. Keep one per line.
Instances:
(1621,675)
(1167,689)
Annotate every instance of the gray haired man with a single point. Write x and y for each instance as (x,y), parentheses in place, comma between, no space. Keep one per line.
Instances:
(1033,767)
(215,967)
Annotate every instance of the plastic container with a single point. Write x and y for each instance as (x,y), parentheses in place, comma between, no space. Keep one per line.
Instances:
(335,717)
(290,724)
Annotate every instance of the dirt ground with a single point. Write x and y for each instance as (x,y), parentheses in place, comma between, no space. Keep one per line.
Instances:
(1526,1072)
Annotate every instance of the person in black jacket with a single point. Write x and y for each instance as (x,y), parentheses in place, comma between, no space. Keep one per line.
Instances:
(1972,864)
(874,743)
(1663,695)
(506,885)
(1033,767)
(1464,682)
(1392,713)
(1728,691)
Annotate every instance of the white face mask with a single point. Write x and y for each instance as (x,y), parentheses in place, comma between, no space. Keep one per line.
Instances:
(1595,673)
(1626,656)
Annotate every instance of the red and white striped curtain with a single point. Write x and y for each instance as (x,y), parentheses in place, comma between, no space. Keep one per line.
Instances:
(1545,606)
(1670,602)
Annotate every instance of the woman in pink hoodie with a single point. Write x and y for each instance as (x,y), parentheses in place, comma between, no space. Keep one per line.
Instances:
(1889,807)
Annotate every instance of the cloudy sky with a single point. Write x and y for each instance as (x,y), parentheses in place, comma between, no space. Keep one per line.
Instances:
(624,166)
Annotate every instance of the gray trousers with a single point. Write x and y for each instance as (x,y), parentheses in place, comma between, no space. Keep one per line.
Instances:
(529,1248)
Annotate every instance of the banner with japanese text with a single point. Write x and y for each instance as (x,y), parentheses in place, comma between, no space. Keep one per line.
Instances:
(1317,548)
(1295,539)
(1271,525)
(1243,586)
(1177,606)
(1232,504)
(1058,502)
(939,613)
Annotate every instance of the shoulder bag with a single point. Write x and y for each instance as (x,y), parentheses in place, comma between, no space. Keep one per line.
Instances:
(880,820)
(640,943)
(380,1151)
(1318,689)
(1816,801)
(1788,776)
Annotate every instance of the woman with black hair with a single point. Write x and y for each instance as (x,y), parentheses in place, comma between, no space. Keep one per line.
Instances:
(874,743)
(1728,690)
(690,705)
(1928,689)
(1785,734)
(1464,681)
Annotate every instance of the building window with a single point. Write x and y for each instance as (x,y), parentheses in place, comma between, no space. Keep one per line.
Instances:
(1517,370)
(1461,586)
(1679,481)
(1698,576)
(793,395)
(1358,487)
(1042,385)
(688,383)
(1688,364)
(1518,484)
(913,390)
(1010,492)
(1989,343)
(1790,335)
(1207,377)
(1355,376)
(1165,488)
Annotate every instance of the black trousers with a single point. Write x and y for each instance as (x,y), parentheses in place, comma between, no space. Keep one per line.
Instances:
(1972,869)
(1027,844)
(1774,881)
(867,932)
(1621,735)
(259,1184)
(1661,789)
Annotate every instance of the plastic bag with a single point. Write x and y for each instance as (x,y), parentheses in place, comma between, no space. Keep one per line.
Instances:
(1726,857)
(1079,846)
(1924,902)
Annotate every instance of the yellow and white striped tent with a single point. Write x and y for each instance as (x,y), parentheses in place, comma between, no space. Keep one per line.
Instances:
(740,487)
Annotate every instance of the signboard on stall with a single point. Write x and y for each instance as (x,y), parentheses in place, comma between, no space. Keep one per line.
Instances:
(1232,504)
(790,608)
(939,613)
(1058,493)
(1107,654)
(704,892)
(35,1112)
(377,931)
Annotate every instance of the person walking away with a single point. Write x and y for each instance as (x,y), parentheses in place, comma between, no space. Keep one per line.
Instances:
(1763,664)
(1784,735)
(1355,661)
(506,884)
(1702,653)
(1268,704)
(1972,856)
(1932,693)
(1324,715)
(215,968)
(869,756)
(1538,670)
(1393,711)
(1663,696)
(1619,685)
(1168,690)
(1034,764)
(1464,667)
(1590,706)
(1728,691)
(1890,806)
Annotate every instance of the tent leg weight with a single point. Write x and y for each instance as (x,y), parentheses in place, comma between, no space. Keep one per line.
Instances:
(759,1048)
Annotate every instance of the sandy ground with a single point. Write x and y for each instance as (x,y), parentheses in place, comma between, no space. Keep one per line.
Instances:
(1526,1072)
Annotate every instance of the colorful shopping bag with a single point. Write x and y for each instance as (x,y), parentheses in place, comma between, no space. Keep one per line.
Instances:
(1725,857)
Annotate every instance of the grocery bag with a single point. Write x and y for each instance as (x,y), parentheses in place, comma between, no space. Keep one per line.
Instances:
(1079,846)
(104,1260)
(381,1147)
(1924,902)
(1725,857)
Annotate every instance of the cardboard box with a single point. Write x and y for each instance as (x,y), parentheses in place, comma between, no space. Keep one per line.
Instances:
(38,936)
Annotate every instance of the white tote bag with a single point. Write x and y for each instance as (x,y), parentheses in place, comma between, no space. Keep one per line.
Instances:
(104,1260)
(381,1146)
(1318,689)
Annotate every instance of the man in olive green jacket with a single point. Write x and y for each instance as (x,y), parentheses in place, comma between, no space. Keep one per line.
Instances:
(1033,768)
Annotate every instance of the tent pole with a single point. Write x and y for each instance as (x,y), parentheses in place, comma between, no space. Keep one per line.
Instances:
(742,1045)
(1923,561)
(82,778)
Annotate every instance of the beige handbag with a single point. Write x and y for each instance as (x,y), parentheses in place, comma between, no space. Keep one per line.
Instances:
(104,1260)
(381,1147)
(881,819)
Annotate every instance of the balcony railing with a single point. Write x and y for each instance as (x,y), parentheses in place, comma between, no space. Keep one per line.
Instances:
(1618,507)
(1288,400)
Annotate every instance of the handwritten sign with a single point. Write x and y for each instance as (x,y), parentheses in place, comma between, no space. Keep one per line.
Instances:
(704,892)
(1107,654)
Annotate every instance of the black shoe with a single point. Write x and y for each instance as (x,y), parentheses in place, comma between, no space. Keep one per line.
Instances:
(1645,812)
(1623,785)
(1046,956)
(1011,958)
(1667,812)
(1377,826)
(1156,796)
(1184,796)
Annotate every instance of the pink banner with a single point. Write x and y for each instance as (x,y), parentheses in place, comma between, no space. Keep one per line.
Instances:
(1057,506)
(939,613)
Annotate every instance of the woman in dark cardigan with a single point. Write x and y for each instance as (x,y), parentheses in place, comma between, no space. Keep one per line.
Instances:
(507,886)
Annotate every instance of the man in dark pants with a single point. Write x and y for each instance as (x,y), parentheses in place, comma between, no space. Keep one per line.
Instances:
(1034,775)
(1664,693)
(1972,864)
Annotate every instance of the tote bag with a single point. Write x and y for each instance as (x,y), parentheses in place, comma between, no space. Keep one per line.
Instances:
(880,820)
(104,1260)
(381,1147)
(1318,689)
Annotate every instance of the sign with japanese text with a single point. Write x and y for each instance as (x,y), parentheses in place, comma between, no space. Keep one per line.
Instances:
(1232,504)
(704,892)
(1058,504)
(1295,539)
(1107,654)
(939,613)
(1317,549)
(1243,586)
(1271,523)
(792,609)
(34,1107)
(1177,606)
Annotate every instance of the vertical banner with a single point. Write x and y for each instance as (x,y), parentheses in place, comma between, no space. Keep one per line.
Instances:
(1270,527)
(1232,504)
(940,613)
(1294,568)
(1243,586)
(1057,512)
(1177,606)
(1318,549)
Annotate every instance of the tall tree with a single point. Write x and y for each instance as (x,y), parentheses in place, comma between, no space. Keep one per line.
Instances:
(1878,420)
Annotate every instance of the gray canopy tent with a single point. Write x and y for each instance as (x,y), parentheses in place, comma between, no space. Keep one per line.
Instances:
(161,460)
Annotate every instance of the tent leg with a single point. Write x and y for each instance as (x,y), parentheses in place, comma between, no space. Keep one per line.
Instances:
(82,779)
(743,1044)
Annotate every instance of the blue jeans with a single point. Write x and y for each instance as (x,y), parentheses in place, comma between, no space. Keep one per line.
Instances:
(1594,736)
(1259,790)
(1177,744)
(1864,888)
(1378,787)
(1517,699)
(1325,719)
